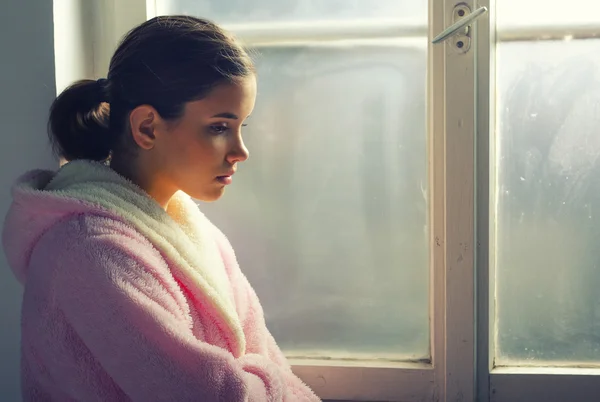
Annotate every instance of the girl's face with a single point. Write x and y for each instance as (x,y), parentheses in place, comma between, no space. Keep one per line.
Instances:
(199,153)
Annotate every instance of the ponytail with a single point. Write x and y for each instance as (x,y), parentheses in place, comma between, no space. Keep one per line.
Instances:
(78,126)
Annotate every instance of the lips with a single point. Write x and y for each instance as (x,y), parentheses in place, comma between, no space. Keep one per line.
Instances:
(226,178)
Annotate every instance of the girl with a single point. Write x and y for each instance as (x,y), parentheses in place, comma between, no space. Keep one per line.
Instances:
(131,294)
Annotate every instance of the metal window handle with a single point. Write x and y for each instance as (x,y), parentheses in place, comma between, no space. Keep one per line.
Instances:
(460,25)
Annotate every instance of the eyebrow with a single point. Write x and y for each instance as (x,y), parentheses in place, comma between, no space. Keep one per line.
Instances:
(226,115)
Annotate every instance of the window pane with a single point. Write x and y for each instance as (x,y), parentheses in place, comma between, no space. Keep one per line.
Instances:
(329,213)
(245,11)
(534,12)
(548,202)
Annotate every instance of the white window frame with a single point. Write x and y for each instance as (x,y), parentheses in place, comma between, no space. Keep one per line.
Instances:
(513,383)
(451,268)
(451,374)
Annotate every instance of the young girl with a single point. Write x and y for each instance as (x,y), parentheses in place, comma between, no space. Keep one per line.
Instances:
(131,294)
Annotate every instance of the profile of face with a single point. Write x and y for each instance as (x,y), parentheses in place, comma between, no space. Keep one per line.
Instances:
(199,152)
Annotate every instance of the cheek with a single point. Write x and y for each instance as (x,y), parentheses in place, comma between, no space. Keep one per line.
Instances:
(184,144)
(194,150)
(206,153)
(213,147)
(176,142)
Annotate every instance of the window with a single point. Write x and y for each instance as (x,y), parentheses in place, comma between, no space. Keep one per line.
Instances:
(419,220)
(331,216)
(334,203)
(545,305)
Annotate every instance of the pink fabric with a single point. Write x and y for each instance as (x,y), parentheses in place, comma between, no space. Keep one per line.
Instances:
(104,318)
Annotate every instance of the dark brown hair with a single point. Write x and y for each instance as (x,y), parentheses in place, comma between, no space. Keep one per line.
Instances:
(165,63)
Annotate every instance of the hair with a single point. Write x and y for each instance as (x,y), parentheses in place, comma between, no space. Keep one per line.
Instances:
(165,63)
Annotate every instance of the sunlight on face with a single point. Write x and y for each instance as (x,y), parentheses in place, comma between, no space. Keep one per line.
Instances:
(201,152)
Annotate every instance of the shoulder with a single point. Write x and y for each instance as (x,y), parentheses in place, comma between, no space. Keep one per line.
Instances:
(92,227)
(95,257)
(99,255)
(93,239)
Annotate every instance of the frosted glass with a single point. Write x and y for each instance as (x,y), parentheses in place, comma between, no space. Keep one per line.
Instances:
(545,12)
(548,202)
(247,11)
(328,216)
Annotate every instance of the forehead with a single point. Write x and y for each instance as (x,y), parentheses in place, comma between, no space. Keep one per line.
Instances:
(235,98)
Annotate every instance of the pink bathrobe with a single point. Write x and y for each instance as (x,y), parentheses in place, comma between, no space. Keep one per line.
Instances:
(126,302)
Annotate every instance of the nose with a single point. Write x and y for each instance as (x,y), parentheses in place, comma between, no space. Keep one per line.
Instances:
(239,152)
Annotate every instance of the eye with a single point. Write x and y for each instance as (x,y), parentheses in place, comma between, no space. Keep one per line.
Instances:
(218,128)
(245,125)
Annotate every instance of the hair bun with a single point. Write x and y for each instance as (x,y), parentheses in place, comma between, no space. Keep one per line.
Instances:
(79,122)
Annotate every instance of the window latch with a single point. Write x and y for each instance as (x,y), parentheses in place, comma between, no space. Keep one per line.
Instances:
(462,18)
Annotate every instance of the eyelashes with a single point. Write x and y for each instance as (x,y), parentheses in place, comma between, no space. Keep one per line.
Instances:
(218,128)
(221,128)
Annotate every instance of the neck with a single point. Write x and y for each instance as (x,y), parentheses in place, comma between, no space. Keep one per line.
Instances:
(143,178)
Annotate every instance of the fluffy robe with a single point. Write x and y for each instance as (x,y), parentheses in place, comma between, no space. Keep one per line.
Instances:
(124,301)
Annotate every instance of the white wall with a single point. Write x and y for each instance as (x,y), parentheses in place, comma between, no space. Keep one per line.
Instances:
(26,90)
(87,33)
(83,34)
(73,45)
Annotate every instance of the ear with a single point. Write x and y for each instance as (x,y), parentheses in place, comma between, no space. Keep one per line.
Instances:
(144,121)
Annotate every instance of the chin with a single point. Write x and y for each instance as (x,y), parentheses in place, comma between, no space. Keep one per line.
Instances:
(206,196)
